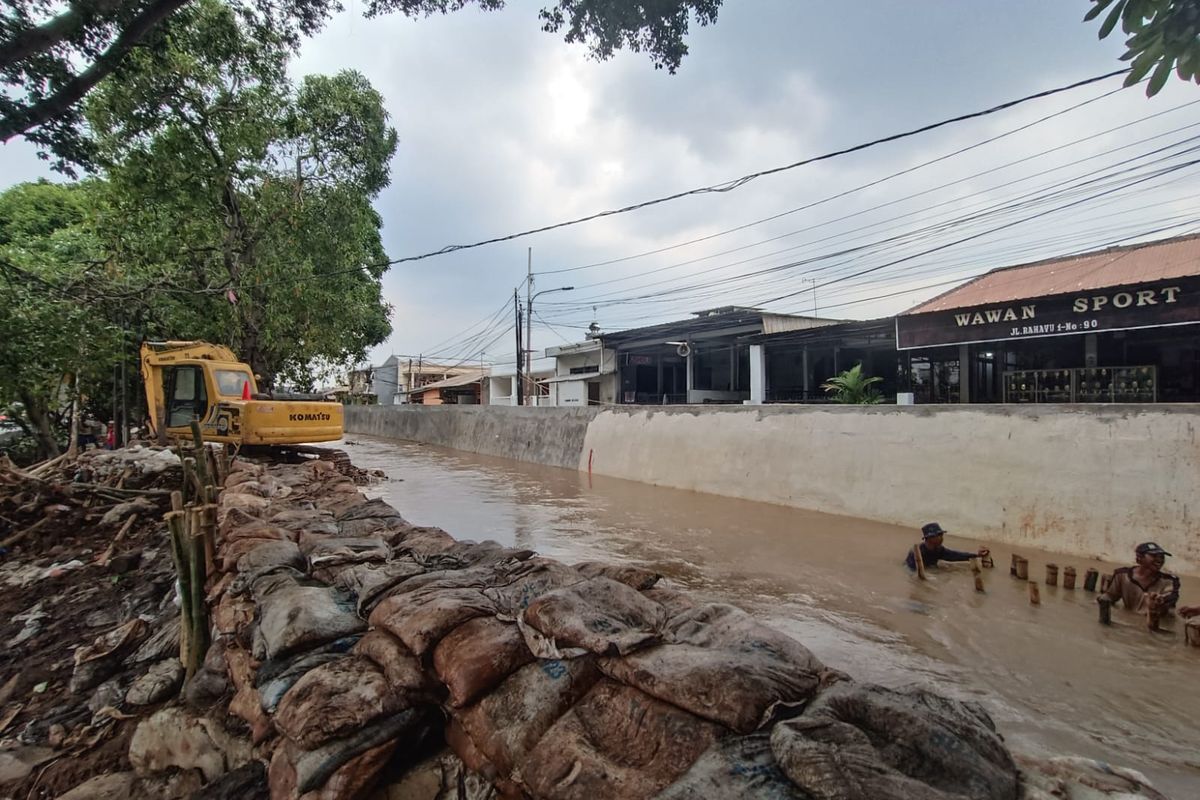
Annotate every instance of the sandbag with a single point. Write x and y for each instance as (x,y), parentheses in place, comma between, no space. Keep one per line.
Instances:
(302,521)
(674,601)
(507,723)
(233,519)
(282,553)
(368,582)
(616,742)
(722,665)
(246,702)
(735,766)
(256,530)
(633,577)
(1076,778)
(336,550)
(421,618)
(356,777)
(401,668)
(295,771)
(422,541)
(478,655)
(233,617)
(598,615)
(862,740)
(334,699)
(95,662)
(517,587)
(372,518)
(274,678)
(293,616)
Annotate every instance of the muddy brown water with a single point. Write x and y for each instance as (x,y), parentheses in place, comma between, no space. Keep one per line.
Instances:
(1055,681)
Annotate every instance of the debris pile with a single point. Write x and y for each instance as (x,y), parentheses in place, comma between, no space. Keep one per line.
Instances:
(88,627)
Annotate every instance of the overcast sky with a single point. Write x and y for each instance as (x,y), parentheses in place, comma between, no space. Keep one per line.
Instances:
(505,128)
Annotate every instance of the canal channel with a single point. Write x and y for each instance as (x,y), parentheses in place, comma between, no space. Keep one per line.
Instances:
(1055,681)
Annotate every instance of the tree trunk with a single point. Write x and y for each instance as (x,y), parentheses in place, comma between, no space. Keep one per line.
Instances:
(39,421)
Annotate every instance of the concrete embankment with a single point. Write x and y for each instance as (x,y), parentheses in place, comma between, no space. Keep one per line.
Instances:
(1089,481)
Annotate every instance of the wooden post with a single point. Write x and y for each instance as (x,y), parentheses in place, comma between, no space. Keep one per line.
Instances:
(1022,568)
(1105,610)
(198,621)
(175,527)
(1035,594)
(1089,580)
(978,574)
(1012,568)
(918,561)
(1052,574)
(1068,576)
(1191,632)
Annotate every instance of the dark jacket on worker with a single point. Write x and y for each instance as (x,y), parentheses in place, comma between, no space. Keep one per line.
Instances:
(931,557)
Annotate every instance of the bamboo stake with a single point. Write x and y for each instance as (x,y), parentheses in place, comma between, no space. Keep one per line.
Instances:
(1035,594)
(1052,574)
(1022,568)
(978,574)
(918,561)
(174,520)
(1089,580)
(198,619)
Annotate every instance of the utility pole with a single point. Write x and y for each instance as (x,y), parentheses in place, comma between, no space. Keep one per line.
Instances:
(520,355)
(529,321)
(814,283)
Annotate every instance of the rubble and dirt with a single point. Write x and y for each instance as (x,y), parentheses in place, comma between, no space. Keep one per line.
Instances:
(356,655)
(86,590)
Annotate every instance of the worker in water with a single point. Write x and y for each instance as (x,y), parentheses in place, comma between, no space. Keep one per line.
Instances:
(933,551)
(1145,586)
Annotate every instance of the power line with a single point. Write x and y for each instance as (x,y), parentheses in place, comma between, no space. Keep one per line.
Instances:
(736,183)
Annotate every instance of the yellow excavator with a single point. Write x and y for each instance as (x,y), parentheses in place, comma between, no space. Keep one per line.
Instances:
(188,381)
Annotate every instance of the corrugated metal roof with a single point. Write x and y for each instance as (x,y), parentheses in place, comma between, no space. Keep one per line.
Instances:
(448,383)
(1117,266)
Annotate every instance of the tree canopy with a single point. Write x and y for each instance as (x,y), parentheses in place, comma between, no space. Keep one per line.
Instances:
(247,197)
(231,204)
(1164,35)
(50,61)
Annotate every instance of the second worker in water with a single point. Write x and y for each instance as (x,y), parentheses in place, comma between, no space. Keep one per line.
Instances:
(933,551)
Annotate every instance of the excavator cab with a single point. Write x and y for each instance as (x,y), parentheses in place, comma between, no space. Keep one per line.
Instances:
(188,381)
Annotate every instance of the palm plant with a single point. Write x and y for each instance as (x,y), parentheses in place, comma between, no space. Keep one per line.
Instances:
(853,387)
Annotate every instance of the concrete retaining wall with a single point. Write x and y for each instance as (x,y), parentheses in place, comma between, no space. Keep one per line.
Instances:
(551,436)
(1080,480)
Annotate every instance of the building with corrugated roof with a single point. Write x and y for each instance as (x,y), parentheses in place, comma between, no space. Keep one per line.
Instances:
(1115,325)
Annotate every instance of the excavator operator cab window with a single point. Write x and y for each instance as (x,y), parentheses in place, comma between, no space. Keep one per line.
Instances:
(187,398)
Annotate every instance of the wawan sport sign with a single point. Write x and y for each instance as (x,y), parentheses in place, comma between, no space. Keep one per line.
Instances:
(1150,305)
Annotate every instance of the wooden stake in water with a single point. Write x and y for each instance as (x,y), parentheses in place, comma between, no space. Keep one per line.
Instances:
(1068,577)
(920,562)
(1089,580)
(978,574)
(1035,594)
(1052,574)
(1191,633)
(1105,610)
(1022,568)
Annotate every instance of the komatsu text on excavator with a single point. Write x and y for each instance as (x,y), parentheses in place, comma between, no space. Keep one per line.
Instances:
(196,380)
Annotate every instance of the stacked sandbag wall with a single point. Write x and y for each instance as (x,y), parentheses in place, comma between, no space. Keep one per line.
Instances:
(357,643)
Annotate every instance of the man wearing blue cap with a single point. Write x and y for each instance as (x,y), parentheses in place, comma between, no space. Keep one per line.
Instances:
(932,551)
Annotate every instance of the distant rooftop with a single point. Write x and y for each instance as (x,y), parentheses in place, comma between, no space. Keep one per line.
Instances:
(1117,266)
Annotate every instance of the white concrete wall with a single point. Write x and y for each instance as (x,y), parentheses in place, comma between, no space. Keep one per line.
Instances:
(1081,480)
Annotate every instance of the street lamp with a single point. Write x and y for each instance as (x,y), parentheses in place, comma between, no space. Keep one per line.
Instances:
(529,330)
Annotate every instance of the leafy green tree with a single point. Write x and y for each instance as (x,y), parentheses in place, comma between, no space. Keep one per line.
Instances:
(52,56)
(56,306)
(244,201)
(1164,35)
(853,387)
